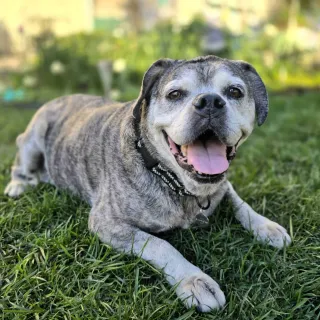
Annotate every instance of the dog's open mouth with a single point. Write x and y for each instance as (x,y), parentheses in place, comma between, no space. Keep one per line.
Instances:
(206,156)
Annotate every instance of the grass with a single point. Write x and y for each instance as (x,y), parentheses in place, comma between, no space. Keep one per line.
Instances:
(51,267)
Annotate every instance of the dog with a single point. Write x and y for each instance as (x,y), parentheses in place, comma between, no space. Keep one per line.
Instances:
(153,164)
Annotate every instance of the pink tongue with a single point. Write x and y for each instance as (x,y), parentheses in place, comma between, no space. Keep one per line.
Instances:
(208,157)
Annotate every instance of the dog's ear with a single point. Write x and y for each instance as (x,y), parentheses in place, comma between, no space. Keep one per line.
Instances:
(152,75)
(259,91)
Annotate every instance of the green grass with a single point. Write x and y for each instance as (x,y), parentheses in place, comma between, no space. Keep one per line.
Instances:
(51,267)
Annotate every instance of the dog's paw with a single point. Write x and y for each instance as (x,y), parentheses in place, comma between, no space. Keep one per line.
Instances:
(272,233)
(201,291)
(15,189)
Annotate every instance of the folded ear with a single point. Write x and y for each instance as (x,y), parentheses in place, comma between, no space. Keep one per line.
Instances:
(258,89)
(152,76)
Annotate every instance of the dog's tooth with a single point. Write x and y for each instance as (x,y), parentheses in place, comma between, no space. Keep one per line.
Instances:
(184,150)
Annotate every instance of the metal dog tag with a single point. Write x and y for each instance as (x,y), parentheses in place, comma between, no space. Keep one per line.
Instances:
(201,220)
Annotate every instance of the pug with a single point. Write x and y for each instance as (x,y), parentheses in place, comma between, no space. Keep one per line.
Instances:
(153,164)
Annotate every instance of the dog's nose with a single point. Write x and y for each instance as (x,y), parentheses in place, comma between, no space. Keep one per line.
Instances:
(206,101)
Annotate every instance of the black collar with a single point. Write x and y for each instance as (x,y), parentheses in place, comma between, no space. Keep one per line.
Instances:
(159,169)
(165,174)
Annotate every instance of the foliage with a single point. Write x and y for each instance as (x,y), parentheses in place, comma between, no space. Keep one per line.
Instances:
(275,53)
(277,57)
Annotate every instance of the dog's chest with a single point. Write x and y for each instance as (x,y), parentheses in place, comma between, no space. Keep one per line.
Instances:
(183,214)
(171,211)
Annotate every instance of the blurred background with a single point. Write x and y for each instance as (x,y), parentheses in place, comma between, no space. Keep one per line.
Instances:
(50,48)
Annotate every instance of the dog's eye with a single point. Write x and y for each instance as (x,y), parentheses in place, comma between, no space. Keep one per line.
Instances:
(174,95)
(235,93)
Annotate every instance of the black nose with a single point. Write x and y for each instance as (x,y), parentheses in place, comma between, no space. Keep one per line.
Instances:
(207,101)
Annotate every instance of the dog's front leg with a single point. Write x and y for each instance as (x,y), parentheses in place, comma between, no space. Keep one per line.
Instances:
(194,287)
(264,229)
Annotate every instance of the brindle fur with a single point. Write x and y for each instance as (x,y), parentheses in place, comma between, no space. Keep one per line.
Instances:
(87,145)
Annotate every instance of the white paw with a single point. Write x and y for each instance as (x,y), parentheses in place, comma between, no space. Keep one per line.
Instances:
(201,291)
(272,233)
(15,188)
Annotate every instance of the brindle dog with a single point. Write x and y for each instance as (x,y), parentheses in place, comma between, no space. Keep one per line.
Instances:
(153,164)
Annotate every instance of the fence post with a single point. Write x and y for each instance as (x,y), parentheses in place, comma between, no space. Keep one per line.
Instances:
(105,73)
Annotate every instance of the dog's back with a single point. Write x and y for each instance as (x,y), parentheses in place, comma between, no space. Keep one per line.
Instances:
(60,144)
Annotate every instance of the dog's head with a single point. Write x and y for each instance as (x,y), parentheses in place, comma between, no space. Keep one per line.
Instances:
(195,114)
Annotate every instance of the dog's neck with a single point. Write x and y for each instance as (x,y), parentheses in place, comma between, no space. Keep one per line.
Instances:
(160,170)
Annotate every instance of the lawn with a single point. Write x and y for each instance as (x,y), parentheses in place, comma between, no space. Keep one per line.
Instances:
(51,267)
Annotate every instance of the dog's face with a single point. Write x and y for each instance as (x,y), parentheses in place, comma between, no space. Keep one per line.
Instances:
(199,111)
